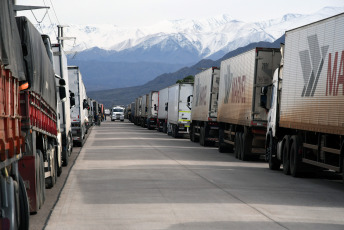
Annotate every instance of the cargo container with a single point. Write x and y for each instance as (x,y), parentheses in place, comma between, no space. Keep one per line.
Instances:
(152,109)
(179,114)
(79,111)
(306,110)
(204,127)
(138,110)
(241,119)
(162,110)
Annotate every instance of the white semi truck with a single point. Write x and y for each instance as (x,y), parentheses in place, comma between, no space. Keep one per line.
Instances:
(306,112)
(152,109)
(204,127)
(78,113)
(60,68)
(179,114)
(162,110)
(242,120)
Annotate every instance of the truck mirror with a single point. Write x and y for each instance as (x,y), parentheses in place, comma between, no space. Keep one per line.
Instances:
(146,109)
(72,101)
(265,96)
(71,94)
(85,104)
(62,92)
(62,82)
(154,107)
(189,101)
(166,106)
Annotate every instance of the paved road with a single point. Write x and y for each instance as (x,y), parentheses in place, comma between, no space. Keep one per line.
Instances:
(127,177)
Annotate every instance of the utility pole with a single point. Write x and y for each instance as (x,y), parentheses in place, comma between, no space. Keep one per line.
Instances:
(60,36)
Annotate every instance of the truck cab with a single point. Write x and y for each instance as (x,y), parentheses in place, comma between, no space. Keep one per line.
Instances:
(117,113)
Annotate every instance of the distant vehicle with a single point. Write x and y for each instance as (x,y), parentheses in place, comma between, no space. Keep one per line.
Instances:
(117,113)
(107,112)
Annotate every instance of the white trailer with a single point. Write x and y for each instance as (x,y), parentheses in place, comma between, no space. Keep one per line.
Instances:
(306,114)
(60,67)
(152,109)
(242,119)
(144,110)
(204,126)
(162,110)
(179,114)
(79,111)
(138,110)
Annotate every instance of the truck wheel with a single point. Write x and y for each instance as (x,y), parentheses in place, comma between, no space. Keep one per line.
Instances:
(285,156)
(202,136)
(295,159)
(274,163)
(50,181)
(23,206)
(246,146)
(236,145)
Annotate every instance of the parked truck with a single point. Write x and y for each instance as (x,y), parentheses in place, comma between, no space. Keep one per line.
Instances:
(138,110)
(306,112)
(152,109)
(14,203)
(162,110)
(38,105)
(179,114)
(242,120)
(204,127)
(144,110)
(60,67)
(79,111)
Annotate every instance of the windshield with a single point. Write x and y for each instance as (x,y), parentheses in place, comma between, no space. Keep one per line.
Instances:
(117,110)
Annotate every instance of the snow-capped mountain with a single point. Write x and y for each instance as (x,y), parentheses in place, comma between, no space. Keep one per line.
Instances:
(203,38)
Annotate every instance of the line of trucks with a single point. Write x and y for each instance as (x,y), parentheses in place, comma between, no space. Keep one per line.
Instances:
(284,104)
(43,110)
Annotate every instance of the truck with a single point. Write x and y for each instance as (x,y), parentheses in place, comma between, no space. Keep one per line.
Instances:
(144,110)
(179,114)
(78,113)
(138,110)
(60,67)
(152,109)
(117,113)
(306,111)
(162,110)
(38,107)
(132,112)
(204,127)
(242,121)
(14,204)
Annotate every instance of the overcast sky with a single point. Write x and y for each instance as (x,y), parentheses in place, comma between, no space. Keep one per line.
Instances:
(147,12)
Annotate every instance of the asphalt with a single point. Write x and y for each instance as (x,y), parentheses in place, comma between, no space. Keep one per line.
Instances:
(128,177)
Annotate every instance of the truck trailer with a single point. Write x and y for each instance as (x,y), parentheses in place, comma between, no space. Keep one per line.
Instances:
(204,127)
(38,106)
(144,111)
(79,112)
(242,121)
(306,113)
(179,114)
(138,110)
(152,109)
(162,110)
(14,204)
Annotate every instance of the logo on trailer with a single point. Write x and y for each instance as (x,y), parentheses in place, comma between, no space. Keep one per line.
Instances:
(334,78)
(234,87)
(312,62)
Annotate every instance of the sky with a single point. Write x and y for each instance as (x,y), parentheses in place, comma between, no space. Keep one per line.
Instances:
(139,13)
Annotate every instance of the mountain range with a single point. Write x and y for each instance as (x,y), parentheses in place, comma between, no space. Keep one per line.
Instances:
(113,57)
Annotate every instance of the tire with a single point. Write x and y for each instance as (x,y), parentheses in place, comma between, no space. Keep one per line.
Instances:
(274,163)
(24,210)
(285,156)
(239,145)
(202,136)
(50,181)
(236,146)
(295,159)
(246,151)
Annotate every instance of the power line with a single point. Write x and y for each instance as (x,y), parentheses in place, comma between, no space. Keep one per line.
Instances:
(54,12)
(51,23)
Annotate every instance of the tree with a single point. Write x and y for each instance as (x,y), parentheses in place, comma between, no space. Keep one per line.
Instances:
(188,79)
